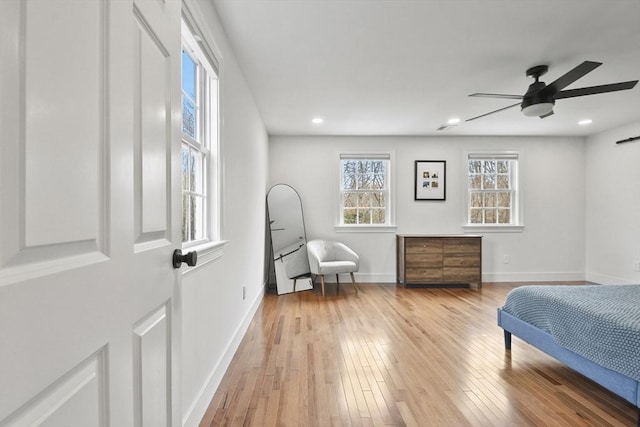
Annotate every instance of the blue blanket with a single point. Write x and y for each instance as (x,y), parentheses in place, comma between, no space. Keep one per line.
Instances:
(599,322)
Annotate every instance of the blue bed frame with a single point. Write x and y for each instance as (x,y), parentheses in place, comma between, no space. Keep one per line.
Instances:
(623,386)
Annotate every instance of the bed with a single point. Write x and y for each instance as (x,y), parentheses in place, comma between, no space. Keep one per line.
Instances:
(594,329)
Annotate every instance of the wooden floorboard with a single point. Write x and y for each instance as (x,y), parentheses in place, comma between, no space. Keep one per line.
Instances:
(391,356)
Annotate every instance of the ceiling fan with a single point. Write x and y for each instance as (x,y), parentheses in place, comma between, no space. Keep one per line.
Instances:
(540,97)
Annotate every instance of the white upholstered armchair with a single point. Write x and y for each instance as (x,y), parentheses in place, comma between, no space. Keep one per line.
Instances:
(331,257)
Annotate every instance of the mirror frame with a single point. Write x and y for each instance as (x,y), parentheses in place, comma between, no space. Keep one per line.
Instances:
(291,268)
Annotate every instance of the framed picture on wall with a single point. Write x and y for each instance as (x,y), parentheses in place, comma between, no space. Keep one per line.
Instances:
(430,180)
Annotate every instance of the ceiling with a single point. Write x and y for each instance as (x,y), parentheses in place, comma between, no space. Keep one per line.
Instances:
(405,67)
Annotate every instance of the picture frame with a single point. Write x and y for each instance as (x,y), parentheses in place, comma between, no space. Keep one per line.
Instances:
(430,180)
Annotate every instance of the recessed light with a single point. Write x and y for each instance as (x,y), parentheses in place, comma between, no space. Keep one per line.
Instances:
(585,122)
(454,121)
(317,120)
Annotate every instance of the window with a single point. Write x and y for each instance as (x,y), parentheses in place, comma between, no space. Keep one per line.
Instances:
(492,185)
(365,196)
(199,142)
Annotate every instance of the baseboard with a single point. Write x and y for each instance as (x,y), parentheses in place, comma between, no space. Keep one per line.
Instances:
(534,277)
(362,278)
(486,277)
(199,406)
(604,279)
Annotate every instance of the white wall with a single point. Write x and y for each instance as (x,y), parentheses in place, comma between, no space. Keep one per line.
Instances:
(552,174)
(215,316)
(613,206)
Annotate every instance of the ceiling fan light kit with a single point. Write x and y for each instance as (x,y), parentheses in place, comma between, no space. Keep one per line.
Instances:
(540,97)
(538,110)
(536,103)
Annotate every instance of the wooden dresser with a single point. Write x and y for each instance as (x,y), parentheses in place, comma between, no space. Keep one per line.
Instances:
(439,260)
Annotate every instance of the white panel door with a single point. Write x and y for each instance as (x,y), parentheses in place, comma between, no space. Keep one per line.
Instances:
(89,212)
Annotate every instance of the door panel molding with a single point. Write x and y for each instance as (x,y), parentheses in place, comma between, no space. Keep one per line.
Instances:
(152,368)
(19,273)
(152,130)
(82,392)
(72,110)
(41,234)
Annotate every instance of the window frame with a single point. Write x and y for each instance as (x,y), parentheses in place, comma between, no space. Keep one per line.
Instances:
(197,147)
(210,246)
(517,205)
(390,209)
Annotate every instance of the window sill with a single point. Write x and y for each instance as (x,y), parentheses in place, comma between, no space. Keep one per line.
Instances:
(365,228)
(207,252)
(484,228)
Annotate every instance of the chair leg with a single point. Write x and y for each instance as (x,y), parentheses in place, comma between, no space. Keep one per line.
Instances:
(353,280)
(337,284)
(322,282)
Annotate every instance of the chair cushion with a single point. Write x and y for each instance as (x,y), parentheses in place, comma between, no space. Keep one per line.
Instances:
(335,267)
(336,257)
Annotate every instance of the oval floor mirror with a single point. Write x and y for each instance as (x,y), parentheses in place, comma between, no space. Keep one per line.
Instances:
(288,240)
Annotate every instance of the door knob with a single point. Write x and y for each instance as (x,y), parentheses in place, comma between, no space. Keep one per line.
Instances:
(190,258)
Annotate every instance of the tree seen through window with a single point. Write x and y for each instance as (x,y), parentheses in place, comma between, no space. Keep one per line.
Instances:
(364,191)
(491,191)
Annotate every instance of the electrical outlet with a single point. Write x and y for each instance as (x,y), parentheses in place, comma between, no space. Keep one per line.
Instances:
(636,265)
(506,259)
(244,292)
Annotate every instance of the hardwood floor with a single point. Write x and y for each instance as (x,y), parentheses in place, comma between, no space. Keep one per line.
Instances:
(402,357)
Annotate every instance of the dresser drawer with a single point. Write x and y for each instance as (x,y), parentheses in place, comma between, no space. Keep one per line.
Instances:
(461,246)
(424,260)
(460,275)
(470,260)
(423,246)
(424,275)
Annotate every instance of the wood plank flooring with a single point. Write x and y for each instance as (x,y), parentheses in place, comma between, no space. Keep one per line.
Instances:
(400,357)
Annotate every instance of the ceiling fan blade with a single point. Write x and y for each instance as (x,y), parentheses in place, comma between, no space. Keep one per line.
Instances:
(550,113)
(593,90)
(570,77)
(491,112)
(496,95)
